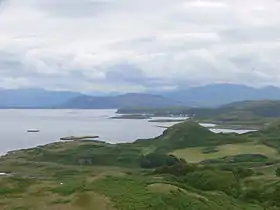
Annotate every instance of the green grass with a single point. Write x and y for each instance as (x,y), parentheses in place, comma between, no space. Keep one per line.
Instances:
(136,193)
(196,155)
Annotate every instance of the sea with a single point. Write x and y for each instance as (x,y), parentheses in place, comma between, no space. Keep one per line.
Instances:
(54,124)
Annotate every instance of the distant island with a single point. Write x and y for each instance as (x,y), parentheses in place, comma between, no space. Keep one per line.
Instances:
(245,114)
(77,138)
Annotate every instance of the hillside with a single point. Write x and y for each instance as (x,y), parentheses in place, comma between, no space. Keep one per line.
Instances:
(227,171)
(115,102)
(191,134)
(84,175)
(251,111)
(248,113)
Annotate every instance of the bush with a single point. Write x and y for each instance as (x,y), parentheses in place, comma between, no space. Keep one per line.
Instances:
(179,169)
(213,180)
(253,195)
(243,172)
(155,160)
(277,172)
(209,150)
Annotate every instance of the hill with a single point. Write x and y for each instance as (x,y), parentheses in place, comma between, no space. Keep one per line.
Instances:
(82,175)
(250,113)
(115,102)
(269,134)
(33,98)
(214,95)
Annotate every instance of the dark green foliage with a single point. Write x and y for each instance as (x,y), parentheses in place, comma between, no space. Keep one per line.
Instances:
(208,150)
(104,154)
(269,196)
(253,195)
(154,160)
(275,197)
(244,158)
(187,134)
(133,193)
(61,201)
(190,134)
(247,158)
(14,185)
(212,180)
(277,172)
(179,169)
(243,172)
(269,135)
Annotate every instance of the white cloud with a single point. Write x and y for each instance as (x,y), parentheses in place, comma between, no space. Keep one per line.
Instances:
(125,45)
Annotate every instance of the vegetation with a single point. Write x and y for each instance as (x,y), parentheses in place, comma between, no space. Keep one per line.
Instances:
(197,154)
(187,167)
(245,114)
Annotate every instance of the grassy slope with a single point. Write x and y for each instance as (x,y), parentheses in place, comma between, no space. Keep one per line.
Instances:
(196,155)
(108,192)
(113,180)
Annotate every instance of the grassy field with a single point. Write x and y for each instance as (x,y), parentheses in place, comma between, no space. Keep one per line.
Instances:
(196,155)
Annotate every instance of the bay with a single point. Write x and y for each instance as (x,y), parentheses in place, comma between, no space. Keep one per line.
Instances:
(54,124)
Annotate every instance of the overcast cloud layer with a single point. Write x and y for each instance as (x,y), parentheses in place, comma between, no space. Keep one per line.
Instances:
(132,45)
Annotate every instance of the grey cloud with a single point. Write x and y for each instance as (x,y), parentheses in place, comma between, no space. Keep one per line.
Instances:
(143,44)
(252,34)
(74,8)
(131,74)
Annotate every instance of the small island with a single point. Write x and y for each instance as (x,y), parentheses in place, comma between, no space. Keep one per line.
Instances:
(167,120)
(77,138)
(132,117)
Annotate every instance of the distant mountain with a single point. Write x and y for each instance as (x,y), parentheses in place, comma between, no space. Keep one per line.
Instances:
(119,101)
(220,94)
(33,98)
(213,95)
(250,110)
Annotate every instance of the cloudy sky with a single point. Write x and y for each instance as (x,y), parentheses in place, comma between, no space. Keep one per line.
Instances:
(132,45)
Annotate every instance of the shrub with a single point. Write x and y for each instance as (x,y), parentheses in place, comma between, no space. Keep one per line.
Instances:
(213,180)
(179,169)
(155,160)
(277,172)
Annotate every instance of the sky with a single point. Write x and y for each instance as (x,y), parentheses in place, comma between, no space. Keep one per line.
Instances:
(136,46)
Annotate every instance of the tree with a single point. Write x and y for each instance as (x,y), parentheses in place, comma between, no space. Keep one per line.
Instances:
(277,172)
(155,160)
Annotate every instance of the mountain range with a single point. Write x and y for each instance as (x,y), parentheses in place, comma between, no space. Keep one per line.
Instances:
(212,95)
(33,98)
(119,101)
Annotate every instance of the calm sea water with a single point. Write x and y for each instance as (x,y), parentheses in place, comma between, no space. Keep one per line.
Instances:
(54,124)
